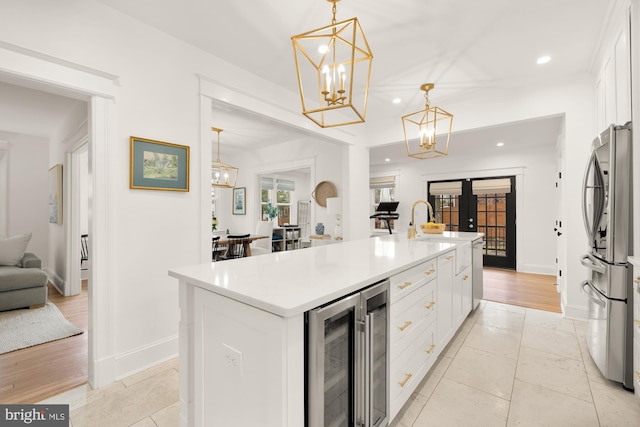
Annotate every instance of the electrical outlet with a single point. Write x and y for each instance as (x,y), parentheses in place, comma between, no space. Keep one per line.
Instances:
(233,358)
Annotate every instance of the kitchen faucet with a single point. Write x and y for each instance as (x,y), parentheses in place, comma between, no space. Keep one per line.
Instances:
(413,209)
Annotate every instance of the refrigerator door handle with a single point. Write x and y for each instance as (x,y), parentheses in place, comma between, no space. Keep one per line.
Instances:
(593,296)
(593,264)
(599,195)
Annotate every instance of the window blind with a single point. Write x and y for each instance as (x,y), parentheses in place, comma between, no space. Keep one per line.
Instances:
(285,185)
(266,183)
(439,188)
(490,186)
(382,182)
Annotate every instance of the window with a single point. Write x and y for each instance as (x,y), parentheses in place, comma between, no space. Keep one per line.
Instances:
(278,192)
(382,190)
(446,208)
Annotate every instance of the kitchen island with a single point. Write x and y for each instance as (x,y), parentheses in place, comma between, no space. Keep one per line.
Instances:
(242,322)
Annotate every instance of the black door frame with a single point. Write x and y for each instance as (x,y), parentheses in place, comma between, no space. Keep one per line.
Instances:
(468,214)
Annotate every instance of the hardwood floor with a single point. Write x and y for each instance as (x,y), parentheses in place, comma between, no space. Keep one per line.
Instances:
(523,289)
(35,373)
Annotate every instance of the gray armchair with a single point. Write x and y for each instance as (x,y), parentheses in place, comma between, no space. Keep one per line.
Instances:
(23,285)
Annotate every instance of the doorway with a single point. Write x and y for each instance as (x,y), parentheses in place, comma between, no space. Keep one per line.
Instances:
(482,205)
(98,89)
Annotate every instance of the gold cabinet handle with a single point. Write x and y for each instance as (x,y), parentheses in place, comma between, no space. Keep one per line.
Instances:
(465,277)
(430,272)
(431,304)
(407,377)
(405,326)
(430,349)
(404,285)
(449,258)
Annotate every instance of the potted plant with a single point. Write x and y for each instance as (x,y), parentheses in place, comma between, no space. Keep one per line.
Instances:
(272,212)
(214,223)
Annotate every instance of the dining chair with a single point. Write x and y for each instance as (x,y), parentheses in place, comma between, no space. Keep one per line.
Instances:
(215,249)
(84,250)
(236,246)
(262,246)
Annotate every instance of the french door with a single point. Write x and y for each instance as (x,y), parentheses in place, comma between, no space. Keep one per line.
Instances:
(482,205)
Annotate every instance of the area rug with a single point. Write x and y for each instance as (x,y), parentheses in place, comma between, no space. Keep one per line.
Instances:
(28,327)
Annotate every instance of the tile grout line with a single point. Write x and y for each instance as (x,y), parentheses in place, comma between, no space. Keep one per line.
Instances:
(515,374)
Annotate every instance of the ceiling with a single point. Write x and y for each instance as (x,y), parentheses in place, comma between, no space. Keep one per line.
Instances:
(32,112)
(465,47)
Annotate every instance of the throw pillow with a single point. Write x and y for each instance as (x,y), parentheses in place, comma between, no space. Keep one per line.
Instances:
(12,249)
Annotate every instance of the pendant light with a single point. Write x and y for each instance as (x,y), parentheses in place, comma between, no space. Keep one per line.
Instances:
(222,174)
(421,130)
(333,64)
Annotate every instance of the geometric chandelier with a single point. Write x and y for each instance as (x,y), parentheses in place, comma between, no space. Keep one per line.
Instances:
(222,174)
(333,64)
(422,127)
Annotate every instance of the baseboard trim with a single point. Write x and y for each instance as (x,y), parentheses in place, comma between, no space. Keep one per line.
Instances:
(575,312)
(537,269)
(55,280)
(103,373)
(145,357)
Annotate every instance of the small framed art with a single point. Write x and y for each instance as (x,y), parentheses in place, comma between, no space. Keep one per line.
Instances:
(239,201)
(157,165)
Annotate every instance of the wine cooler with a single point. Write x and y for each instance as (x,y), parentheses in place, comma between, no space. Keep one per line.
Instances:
(347,360)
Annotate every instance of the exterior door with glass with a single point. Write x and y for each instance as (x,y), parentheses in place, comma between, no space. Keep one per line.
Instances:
(482,205)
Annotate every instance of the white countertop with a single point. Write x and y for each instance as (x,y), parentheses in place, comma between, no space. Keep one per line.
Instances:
(291,282)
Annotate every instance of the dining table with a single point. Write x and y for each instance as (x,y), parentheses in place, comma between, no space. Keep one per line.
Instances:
(224,242)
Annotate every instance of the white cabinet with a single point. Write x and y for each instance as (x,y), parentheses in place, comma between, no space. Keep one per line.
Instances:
(255,354)
(444,306)
(462,296)
(286,238)
(412,330)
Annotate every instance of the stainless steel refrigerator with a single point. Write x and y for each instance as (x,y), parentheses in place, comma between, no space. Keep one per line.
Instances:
(607,212)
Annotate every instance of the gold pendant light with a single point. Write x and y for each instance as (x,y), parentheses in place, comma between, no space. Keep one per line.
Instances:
(421,128)
(333,65)
(222,174)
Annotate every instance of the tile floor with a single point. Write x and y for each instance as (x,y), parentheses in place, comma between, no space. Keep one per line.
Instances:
(507,366)
(515,366)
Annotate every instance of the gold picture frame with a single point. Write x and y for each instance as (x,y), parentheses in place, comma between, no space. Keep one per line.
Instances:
(157,165)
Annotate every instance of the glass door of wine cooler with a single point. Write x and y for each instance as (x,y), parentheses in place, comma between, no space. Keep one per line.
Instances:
(331,371)
(376,355)
(347,352)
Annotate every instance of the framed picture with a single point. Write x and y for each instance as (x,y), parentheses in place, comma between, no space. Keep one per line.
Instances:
(156,165)
(55,194)
(239,201)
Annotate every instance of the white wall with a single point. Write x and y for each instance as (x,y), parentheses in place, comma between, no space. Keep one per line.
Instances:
(535,188)
(28,188)
(70,131)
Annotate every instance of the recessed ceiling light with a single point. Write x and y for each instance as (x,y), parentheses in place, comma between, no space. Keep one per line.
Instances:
(387,159)
(500,144)
(396,100)
(543,59)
